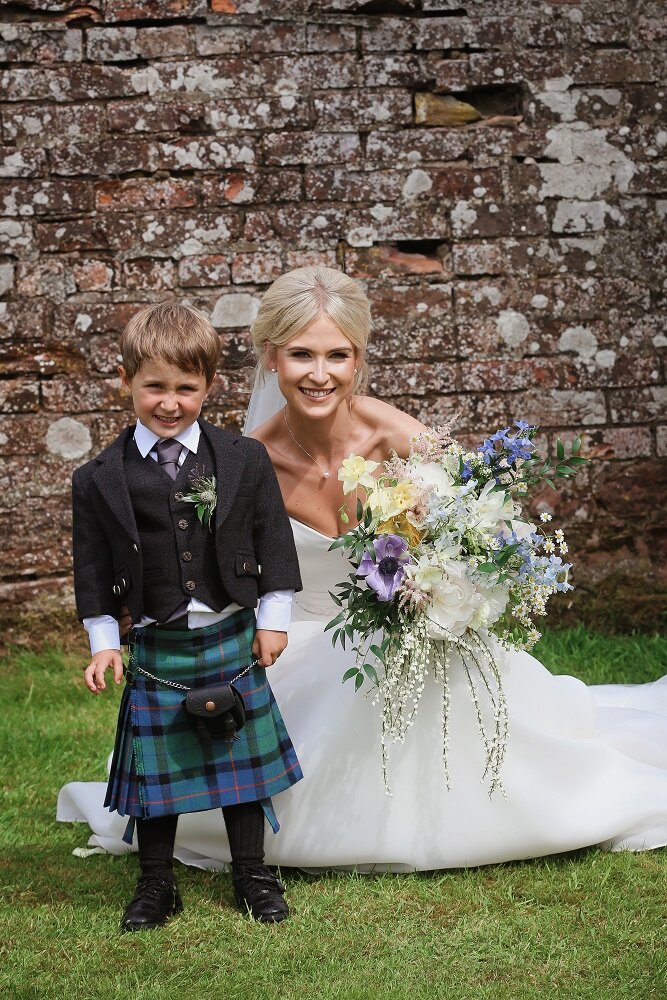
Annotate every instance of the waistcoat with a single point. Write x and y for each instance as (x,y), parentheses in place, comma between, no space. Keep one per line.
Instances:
(178,552)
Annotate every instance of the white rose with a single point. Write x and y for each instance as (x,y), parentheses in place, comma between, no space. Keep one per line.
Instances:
(490,507)
(454,602)
(493,603)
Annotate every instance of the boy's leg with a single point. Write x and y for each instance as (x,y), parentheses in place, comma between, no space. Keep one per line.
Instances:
(156,896)
(255,886)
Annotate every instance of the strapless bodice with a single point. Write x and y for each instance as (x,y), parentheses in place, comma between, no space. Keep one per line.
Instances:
(321,571)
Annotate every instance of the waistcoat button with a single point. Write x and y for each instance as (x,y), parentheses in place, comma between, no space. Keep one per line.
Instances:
(183,524)
(186,556)
(190,585)
(178,496)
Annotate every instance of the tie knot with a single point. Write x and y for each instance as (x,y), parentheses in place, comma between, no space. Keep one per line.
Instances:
(168,451)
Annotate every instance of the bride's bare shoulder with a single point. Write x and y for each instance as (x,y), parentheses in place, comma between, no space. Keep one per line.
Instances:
(392,427)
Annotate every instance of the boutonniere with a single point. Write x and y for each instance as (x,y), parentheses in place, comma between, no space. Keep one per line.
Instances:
(204,495)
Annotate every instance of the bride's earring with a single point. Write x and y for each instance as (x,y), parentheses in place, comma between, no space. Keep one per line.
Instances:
(273,371)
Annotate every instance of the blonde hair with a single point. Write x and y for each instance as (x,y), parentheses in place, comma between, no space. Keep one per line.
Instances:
(299,297)
(173,333)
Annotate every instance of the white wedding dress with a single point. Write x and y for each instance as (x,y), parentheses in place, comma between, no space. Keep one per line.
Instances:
(584,765)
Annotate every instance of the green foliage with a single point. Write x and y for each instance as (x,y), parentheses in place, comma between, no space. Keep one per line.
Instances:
(572,927)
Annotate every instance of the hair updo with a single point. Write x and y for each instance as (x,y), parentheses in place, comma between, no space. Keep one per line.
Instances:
(299,297)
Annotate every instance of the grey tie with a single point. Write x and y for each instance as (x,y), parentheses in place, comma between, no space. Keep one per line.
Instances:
(168,453)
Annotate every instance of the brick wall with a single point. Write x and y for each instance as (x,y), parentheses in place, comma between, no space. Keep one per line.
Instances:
(494,173)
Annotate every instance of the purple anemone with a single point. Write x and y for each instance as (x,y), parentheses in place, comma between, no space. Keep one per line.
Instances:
(385,572)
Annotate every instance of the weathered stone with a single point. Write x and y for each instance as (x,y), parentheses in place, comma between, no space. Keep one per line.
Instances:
(102,159)
(26,198)
(39,43)
(95,275)
(31,125)
(312,224)
(21,162)
(342,184)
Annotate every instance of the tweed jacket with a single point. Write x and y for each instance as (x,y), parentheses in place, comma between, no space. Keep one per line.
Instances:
(254,545)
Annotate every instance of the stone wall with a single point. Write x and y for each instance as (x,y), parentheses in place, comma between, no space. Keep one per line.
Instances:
(494,173)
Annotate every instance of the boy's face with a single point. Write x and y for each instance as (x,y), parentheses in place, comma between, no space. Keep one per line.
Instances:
(166,399)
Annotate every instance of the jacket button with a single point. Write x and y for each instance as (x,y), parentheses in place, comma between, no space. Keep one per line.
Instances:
(245,567)
(186,556)
(182,524)
(135,546)
(190,585)
(115,590)
(178,496)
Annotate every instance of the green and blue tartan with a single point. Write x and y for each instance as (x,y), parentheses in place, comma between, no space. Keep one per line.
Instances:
(159,765)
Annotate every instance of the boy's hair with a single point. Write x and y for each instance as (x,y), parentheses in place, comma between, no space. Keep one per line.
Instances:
(174,333)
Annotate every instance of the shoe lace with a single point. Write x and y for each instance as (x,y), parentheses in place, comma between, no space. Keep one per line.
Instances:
(153,885)
(257,877)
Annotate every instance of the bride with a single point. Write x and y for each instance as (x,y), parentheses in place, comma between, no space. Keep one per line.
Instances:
(584,765)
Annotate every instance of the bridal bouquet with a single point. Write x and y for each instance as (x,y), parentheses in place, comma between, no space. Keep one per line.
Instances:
(444,559)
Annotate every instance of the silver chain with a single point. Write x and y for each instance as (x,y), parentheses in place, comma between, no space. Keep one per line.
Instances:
(184,687)
(325,472)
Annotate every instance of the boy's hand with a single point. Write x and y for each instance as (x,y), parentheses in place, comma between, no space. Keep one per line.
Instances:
(93,675)
(268,646)
(125,622)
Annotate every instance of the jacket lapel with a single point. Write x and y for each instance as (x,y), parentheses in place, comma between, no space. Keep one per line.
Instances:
(109,478)
(228,467)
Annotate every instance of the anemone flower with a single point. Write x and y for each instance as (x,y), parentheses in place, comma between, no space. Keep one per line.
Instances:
(385,572)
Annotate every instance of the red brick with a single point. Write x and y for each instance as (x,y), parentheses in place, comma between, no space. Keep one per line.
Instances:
(22,162)
(40,43)
(205,154)
(362,108)
(341,184)
(31,125)
(26,198)
(19,395)
(239,187)
(148,273)
(316,225)
(102,159)
(141,10)
(286,148)
(618,442)
(95,275)
(207,270)
(71,83)
(256,268)
(139,194)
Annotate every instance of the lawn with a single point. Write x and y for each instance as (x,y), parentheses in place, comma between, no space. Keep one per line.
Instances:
(574,926)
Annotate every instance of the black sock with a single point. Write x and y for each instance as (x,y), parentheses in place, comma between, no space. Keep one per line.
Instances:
(156,845)
(245,830)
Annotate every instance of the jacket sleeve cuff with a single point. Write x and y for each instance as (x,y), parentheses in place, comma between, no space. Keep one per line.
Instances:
(103,633)
(275,610)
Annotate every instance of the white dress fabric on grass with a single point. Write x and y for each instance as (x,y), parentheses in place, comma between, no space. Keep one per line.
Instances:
(584,766)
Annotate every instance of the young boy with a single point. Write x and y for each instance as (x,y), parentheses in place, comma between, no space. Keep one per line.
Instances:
(190,586)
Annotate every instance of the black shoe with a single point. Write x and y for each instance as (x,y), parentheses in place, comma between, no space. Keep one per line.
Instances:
(259,891)
(156,898)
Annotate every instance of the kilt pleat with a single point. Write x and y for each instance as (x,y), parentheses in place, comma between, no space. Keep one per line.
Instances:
(159,766)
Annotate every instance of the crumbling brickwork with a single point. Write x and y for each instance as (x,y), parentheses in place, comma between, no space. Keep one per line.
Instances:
(494,173)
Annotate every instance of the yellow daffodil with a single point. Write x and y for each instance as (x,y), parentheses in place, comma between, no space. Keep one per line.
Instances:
(356,471)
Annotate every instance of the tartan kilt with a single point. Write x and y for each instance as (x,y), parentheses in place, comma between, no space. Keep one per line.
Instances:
(159,766)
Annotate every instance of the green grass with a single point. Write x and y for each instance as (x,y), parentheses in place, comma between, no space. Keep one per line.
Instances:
(575,926)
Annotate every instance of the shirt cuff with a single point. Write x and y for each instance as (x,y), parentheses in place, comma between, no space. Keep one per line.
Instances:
(275,610)
(103,633)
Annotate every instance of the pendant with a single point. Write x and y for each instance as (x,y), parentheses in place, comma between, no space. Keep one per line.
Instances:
(326,474)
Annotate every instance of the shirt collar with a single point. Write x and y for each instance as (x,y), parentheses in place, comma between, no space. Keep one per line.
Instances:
(146,439)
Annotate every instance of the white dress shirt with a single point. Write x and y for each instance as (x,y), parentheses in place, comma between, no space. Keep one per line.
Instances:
(275,607)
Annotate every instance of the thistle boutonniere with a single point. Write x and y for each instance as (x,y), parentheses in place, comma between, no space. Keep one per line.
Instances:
(204,495)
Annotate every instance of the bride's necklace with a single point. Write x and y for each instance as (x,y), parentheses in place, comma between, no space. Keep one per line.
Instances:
(325,473)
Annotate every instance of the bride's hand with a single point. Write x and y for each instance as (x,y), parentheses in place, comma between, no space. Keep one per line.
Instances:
(268,646)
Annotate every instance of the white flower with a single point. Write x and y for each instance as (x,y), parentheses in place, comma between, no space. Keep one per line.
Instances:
(439,476)
(356,471)
(454,603)
(493,603)
(490,507)
(545,517)
(425,573)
